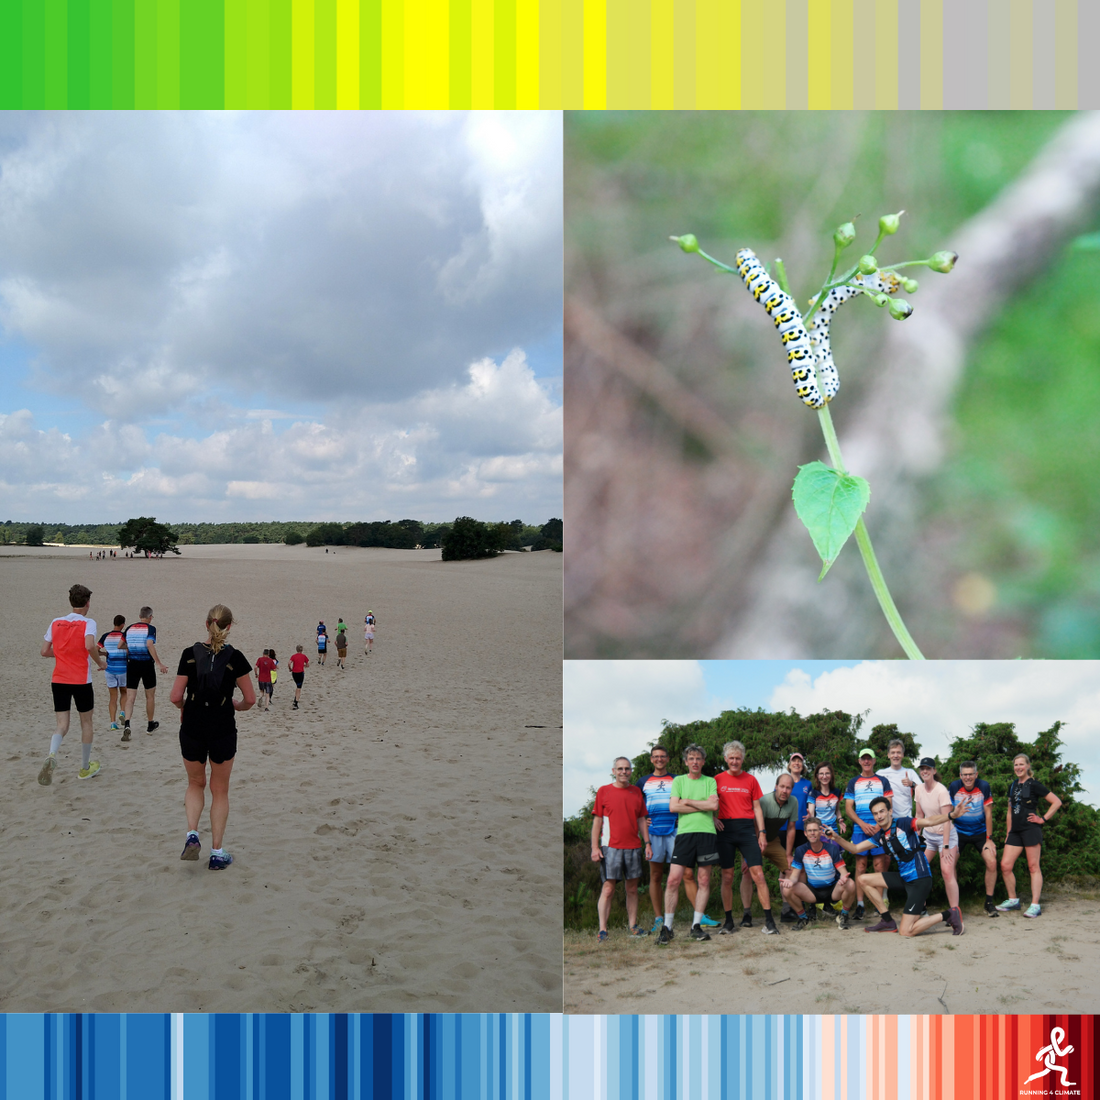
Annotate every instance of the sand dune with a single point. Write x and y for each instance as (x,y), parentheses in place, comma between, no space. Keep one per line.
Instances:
(392,838)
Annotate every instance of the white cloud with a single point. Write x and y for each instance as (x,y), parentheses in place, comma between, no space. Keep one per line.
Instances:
(937,701)
(614,708)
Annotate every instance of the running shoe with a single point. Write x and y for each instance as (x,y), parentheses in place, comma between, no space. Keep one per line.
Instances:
(601,937)
(115,726)
(153,726)
(858,914)
(1033,910)
(770,928)
(637,930)
(126,734)
(843,921)
(746,921)
(665,938)
(990,909)
(884,925)
(89,771)
(219,863)
(122,716)
(191,848)
(698,932)
(955,919)
(727,929)
(787,917)
(45,776)
(706,922)
(658,924)
(801,924)
(1009,905)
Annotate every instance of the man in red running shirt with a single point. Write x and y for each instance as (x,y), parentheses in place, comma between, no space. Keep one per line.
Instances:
(298,664)
(70,641)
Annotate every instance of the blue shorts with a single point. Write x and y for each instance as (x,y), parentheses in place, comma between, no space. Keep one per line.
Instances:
(116,679)
(858,835)
(662,847)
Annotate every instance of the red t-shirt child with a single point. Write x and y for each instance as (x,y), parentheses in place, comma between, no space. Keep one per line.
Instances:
(622,806)
(298,662)
(263,669)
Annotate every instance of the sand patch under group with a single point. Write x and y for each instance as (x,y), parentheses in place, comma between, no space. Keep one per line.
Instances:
(391,838)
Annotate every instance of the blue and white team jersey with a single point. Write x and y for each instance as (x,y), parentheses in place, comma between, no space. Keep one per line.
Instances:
(821,868)
(657,789)
(972,821)
(863,790)
(138,637)
(904,843)
(825,807)
(112,643)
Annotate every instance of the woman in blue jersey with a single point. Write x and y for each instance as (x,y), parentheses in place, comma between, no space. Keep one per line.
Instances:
(1025,833)
(824,800)
(901,839)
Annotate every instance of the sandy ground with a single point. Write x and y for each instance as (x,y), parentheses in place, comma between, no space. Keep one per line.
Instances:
(389,837)
(1008,964)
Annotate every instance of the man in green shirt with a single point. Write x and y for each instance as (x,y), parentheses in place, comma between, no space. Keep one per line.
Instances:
(694,798)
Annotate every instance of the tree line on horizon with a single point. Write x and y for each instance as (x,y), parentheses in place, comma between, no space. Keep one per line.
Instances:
(464,538)
(1071,843)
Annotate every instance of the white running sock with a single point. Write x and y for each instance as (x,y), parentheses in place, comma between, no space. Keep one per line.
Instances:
(55,743)
(668,920)
(698,918)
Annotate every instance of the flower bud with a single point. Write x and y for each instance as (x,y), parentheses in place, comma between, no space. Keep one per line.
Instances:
(687,242)
(888,224)
(900,309)
(910,285)
(844,234)
(867,265)
(943,261)
(880,300)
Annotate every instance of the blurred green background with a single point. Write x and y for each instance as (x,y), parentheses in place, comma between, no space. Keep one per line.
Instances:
(1013,514)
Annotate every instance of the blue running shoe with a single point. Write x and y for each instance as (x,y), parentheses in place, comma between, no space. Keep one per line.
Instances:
(1033,910)
(658,924)
(219,863)
(706,922)
(601,937)
(191,848)
(1009,905)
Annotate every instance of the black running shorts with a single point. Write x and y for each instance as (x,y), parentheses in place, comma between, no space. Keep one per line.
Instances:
(976,840)
(198,744)
(140,673)
(64,695)
(1025,838)
(738,834)
(299,678)
(916,891)
(824,894)
(693,848)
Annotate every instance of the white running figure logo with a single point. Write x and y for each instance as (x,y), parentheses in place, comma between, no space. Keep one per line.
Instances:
(1051,1052)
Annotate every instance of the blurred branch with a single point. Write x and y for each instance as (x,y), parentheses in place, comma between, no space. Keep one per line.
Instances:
(895,438)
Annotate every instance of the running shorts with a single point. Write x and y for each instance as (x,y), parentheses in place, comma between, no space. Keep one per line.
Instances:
(933,838)
(695,848)
(299,678)
(619,864)
(1025,838)
(976,839)
(197,744)
(824,894)
(266,689)
(139,673)
(662,847)
(738,834)
(115,679)
(64,695)
(916,890)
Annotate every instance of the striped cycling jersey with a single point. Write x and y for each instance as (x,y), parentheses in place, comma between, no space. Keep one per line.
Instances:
(825,807)
(862,790)
(138,637)
(904,843)
(821,868)
(972,821)
(656,790)
(112,644)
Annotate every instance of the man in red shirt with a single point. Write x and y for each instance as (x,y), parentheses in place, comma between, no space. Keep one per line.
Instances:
(264,665)
(70,641)
(623,805)
(298,664)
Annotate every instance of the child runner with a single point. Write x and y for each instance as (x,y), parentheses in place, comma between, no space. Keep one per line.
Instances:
(113,643)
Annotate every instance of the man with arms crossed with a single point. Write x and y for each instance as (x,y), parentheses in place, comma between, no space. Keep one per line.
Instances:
(70,641)
(695,798)
(900,837)
(858,795)
(142,663)
(774,808)
(827,879)
(975,824)
(624,808)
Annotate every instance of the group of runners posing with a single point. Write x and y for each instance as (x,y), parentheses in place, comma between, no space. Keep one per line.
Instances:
(208,677)
(685,825)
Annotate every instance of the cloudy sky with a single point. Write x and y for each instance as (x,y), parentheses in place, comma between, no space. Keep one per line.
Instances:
(266,316)
(616,707)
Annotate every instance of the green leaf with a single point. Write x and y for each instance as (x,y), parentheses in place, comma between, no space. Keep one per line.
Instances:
(829,504)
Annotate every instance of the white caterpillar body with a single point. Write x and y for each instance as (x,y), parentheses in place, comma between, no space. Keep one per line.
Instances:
(827,376)
(783,311)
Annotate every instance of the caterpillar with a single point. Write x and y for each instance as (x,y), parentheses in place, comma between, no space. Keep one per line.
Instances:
(828,377)
(783,311)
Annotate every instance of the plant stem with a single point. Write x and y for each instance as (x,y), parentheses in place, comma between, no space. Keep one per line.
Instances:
(863,540)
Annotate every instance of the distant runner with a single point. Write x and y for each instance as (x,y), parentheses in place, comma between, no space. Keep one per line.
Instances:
(368,632)
(322,640)
(298,662)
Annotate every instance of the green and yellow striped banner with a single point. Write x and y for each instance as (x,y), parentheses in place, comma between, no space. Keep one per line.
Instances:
(549,54)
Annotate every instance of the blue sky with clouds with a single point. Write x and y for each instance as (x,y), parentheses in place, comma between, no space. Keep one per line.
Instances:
(616,707)
(272,315)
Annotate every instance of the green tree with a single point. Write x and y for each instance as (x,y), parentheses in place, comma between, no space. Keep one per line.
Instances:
(326,534)
(35,535)
(145,534)
(294,538)
(550,536)
(470,538)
